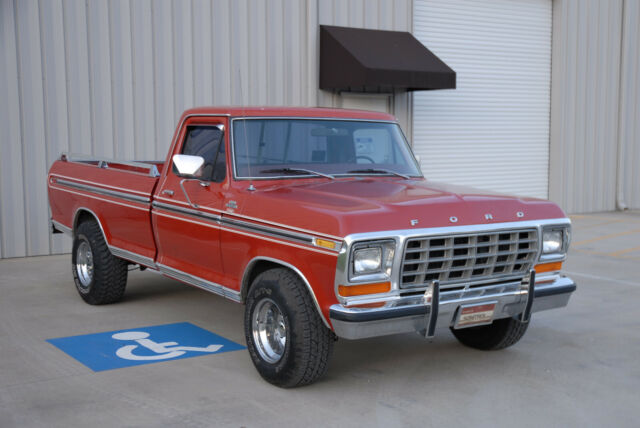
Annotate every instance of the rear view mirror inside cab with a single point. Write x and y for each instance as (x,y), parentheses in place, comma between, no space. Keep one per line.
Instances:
(329,132)
(188,165)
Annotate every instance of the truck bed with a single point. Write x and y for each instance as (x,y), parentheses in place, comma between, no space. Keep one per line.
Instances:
(77,186)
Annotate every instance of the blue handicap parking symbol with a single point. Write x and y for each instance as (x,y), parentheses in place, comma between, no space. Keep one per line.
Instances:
(144,345)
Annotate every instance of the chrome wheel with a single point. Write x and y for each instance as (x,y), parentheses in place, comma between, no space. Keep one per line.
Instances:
(269,330)
(84,264)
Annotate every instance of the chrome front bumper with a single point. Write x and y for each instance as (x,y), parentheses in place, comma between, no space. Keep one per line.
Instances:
(419,314)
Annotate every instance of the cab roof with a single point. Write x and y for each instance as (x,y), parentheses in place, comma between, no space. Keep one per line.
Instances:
(315,112)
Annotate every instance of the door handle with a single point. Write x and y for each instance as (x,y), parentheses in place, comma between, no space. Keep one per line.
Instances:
(167,192)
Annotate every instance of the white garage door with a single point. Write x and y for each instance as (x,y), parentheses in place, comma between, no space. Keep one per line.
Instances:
(492,132)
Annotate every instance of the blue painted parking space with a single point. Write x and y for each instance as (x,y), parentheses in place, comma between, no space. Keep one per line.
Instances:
(144,345)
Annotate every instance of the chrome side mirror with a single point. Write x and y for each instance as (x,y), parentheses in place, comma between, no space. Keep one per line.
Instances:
(188,165)
(191,168)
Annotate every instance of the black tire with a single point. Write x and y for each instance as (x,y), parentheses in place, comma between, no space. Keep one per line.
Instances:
(500,334)
(107,277)
(305,356)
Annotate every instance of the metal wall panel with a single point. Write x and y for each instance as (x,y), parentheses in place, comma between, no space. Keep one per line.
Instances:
(163,76)
(121,78)
(77,70)
(12,211)
(144,97)
(100,79)
(203,52)
(55,94)
(111,78)
(629,122)
(585,103)
(31,91)
(492,131)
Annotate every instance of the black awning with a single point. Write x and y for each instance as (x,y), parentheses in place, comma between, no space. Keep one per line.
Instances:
(359,60)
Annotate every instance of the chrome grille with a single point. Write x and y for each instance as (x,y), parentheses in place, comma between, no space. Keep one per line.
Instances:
(453,259)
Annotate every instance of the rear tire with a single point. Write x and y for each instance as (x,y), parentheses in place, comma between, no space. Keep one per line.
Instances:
(288,342)
(100,277)
(500,334)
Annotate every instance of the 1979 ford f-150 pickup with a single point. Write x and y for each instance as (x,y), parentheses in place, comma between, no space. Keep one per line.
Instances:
(320,222)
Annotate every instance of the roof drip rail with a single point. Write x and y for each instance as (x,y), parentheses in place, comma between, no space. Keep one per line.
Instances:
(104,162)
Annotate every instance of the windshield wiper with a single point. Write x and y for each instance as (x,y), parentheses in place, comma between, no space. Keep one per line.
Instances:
(378,171)
(296,171)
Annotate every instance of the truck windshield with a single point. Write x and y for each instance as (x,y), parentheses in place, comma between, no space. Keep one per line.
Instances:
(272,148)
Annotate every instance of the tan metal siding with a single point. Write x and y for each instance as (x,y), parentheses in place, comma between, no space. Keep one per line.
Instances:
(594,104)
(111,79)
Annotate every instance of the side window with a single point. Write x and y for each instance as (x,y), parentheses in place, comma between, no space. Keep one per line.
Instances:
(207,142)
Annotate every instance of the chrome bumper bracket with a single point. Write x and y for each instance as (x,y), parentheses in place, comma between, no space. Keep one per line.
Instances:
(432,299)
(526,314)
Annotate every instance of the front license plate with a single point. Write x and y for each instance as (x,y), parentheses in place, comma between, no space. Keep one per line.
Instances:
(473,315)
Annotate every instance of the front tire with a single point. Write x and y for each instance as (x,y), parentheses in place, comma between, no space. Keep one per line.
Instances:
(286,338)
(100,277)
(500,334)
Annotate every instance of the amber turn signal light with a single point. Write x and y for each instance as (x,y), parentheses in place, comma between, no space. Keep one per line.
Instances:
(362,289)
(548,267)
(325,243)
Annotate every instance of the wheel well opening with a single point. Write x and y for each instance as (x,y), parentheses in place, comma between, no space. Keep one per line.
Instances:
(256,269)
(81,217)
(260,266)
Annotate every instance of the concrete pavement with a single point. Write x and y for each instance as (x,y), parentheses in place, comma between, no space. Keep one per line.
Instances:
(577,366)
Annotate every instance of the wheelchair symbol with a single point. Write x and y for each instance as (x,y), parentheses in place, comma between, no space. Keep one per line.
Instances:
(163,351)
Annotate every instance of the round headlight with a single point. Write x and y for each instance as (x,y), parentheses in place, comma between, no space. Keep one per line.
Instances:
(552,241)
(367,260)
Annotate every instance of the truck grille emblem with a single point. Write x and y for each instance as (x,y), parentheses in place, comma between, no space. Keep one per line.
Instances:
(453,219)
(520,214)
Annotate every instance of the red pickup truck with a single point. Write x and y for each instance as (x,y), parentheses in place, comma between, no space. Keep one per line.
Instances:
(321,223)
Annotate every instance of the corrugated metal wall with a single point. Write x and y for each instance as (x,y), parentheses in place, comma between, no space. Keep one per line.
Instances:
(111,78)
(594,104)
(629,121)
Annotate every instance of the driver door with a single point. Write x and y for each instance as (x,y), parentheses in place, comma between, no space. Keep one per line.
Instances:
(186,211)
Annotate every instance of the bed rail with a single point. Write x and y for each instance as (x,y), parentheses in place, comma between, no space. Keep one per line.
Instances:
(149,166)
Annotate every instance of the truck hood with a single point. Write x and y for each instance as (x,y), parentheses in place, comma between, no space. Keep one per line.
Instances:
(346,206)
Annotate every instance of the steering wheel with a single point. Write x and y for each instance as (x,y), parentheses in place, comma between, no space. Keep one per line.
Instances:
(365,158)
